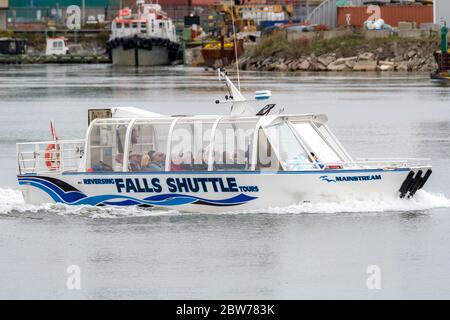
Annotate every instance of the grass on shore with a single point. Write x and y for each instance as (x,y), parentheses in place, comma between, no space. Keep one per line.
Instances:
(276,45)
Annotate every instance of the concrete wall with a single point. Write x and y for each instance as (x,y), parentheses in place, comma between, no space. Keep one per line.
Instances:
(442,11)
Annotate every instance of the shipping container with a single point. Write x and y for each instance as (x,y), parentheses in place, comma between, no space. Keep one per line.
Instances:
(392,15)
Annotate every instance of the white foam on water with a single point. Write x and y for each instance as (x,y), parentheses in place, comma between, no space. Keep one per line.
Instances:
(11,202)
(422,201)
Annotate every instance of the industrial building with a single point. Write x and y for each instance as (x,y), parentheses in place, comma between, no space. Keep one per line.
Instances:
(41,10)
(332,13)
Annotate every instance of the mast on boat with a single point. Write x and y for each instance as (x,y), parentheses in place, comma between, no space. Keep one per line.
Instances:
(240,105)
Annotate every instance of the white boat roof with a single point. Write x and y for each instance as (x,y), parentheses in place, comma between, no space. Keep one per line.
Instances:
(132,112)
(123,115)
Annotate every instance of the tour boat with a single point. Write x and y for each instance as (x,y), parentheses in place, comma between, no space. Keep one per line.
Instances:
(247,160)
(147,38)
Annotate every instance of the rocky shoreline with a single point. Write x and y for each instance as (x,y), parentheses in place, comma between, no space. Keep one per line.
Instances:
(406,56)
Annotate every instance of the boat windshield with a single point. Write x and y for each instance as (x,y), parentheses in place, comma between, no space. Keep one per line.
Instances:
(314,140)
(287,148)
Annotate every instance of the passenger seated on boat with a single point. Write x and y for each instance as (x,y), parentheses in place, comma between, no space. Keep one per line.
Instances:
(177,162)
(145,160)
(134,163)
(316,160)
(101,167)
(154,162)
(118,165)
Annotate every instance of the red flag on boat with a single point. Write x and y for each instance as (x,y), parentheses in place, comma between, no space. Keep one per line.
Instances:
(52,129)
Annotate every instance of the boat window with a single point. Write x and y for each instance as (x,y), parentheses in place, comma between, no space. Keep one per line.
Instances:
(106,146)
(148,145)
(190,145)
(233,141)
(143,25)
(118,25)
(126,25)
(135,25)
(316,143)
(57,44)
(266,157)
(284,145)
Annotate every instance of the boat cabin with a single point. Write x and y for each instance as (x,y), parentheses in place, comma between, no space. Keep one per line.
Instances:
(212,143)
(56,46)
(150,21)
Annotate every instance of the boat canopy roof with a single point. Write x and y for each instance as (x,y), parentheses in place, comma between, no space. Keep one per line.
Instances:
(211,142)
(136,114)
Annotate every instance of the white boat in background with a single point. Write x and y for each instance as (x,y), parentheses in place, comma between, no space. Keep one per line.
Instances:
(243,161)
(145,38)
(56,46)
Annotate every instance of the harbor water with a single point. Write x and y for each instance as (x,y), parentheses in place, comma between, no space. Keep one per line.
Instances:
(306,250)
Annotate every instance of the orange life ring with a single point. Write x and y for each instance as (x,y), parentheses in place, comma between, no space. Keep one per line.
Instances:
(51,157)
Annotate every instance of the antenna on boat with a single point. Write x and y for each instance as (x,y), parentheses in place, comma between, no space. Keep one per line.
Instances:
(235,45)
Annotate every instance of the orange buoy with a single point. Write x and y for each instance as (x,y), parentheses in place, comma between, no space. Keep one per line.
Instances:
(51,157)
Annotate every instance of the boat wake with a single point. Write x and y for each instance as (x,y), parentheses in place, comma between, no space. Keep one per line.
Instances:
(422,201)
(12,204)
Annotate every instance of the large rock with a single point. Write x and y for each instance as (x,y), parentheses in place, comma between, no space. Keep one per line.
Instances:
(337,67)
(342,64)
(305,65)
(403,66)
(281,67)
(293,65)
(366,56)
(411,54)
(365,65)
(345,60)
(385,67)
(321,67)
(386,62)
(326,59)
(350,64)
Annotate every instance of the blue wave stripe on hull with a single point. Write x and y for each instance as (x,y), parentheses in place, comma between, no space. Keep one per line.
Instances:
(78,198)
(69,197)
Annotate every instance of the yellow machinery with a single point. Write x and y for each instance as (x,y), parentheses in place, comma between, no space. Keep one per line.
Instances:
(246,17)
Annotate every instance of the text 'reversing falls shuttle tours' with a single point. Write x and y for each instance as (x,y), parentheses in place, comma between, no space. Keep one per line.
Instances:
(206,163)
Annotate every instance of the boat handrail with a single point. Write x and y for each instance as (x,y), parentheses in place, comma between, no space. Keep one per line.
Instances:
(407,162)
(49,156)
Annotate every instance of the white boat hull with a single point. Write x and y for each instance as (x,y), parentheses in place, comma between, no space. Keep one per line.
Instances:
(211,191)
